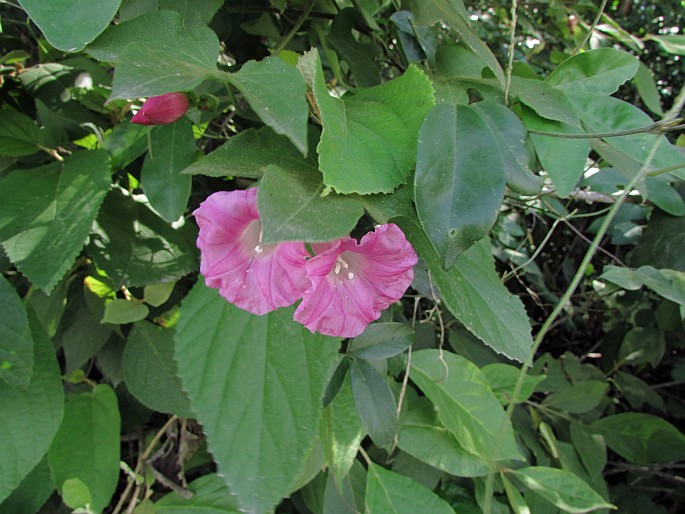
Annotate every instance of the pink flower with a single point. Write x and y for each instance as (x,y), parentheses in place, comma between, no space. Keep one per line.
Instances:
(351,283)
(253,276)
(160,110)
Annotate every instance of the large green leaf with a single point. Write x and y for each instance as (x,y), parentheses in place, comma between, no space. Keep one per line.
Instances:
(47,214)
(382,340)
(248,153)
(375,402)
(578,398)
(466,406)
(562,158)
(358,56)
(135,247)
(665,282)
(150,371)
(256,384)
(388,492)
(172,149)
(176,59)
(547,101)
(32,493)
(562,488)
(30,416)
(503,378)
(599,71)
(368,143)
(672,43)
(642,438)
(662,244)
(70,24)
(423,436)
(19,134)
(292,207)
(16,342)
(86,446)
(210,496)
(276,92)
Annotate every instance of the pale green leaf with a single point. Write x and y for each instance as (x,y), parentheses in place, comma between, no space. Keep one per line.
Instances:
(157,294)
(120,311)
(256,384)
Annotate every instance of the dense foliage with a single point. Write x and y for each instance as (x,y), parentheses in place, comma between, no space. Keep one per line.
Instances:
(440,244)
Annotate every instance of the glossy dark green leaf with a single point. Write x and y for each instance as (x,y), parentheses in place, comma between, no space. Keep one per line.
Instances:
(176,59)
(382,340)
(210,496)
(459,181)
(424,437)
(135,247)
(19,134)
(16,342)
(388,492)
(336,382)
(375,402)
(30,416)
(248,153)
(466,406)
(256,384)
(547,101)
(368,143)
(36,203)
(292,207)
(87,444)
(642,438)
(564,489)
(276,92)
(150,371)
(86,21)
(563,159)
(599,71)
(359,56)
(171,150)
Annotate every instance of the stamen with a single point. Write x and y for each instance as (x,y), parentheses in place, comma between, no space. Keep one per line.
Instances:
(337,266)
(350,275)
(258,249)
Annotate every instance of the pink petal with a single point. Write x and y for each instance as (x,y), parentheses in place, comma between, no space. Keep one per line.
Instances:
(257,278)
(163,109)
(343,301)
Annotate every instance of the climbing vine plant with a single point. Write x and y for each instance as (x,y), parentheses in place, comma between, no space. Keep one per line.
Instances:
(331,256)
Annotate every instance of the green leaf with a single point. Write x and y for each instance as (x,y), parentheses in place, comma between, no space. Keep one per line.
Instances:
(547,101)
(564,489)
(120,311)
(150,371)
(472,291)
(599,71)
(195,12)
(157,294)
(591,448)
(36,204)
(459,181)
(172,149)
(346,497)
(642,438)
(248,153)
(341,432)
(210,496)
(75,494)
(19,134)
(423,436)
(646,86)
(125,144)
(466,406)
(87,444)
(382,340)
(662,244)
(16,342)
(667,283)
(672,43)
(135,247)
(86,21)
(32,493)
(30,416)
(502,379)
(578,398)
(358,56)
(518,504)
(256,393)
(277,93)
(388,492)
(563,159)
(375,402)
(368,143)
(176,59)
(292,207)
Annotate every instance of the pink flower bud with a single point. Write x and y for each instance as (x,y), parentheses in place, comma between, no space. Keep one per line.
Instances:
(160,110)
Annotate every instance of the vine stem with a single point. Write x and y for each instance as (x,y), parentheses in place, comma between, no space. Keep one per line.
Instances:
(512,45)
(575,282)
(295,28)
(655,128)
(592,28)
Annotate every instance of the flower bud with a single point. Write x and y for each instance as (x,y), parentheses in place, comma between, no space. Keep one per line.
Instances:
(160,110)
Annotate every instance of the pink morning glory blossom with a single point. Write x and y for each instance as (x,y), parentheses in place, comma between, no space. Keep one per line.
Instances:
(163,109)
(256,277)
(351,283)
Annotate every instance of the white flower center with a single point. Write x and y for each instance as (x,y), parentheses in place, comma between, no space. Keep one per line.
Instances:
(341,264)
